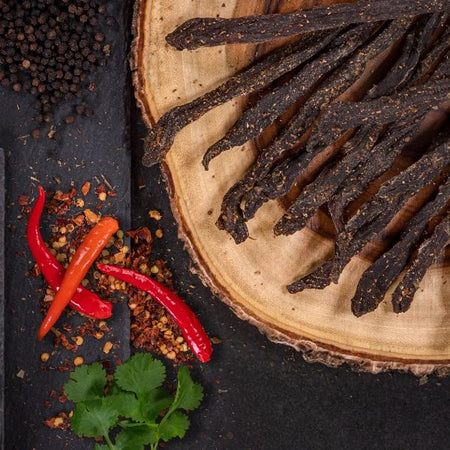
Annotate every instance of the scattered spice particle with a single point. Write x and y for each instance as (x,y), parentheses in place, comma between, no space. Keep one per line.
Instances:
(154,214)
(61,422)
(78,361)
(91,216)
(23,200)
(86,188)
(107,347)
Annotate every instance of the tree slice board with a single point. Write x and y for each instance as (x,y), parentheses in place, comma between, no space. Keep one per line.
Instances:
(251,277)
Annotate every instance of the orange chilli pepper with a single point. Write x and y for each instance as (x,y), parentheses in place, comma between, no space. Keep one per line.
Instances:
(84,257)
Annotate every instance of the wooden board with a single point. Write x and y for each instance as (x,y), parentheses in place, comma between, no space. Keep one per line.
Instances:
(251,277)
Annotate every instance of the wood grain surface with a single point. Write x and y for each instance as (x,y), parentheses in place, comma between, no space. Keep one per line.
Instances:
(251,277)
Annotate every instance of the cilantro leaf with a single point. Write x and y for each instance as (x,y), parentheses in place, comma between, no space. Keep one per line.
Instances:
(125,404)
(175,425)
(154,402)
(134,438)
(100,447)
(140,374)
(93,418)
(86,383)
(189,394)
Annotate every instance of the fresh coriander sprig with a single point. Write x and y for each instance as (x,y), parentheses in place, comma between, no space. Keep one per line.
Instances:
(135,401)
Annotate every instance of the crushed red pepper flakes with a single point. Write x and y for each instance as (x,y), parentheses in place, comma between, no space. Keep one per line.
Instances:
(86,188)
(23,200)
(61,422)
(152,329)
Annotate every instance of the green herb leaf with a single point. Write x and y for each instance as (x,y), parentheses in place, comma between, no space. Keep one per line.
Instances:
(134,438)
(100,447)
(155,402)
(189,394)
(134,400)
(93,418)
(125,404)
(86,383)
(140,374)
(175,425)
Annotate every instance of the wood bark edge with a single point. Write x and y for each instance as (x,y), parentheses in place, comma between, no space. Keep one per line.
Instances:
(312,351)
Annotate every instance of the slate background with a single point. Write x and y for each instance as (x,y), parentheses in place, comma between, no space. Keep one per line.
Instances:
(258,395)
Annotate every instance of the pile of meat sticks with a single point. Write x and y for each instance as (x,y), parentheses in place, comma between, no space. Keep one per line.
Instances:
(369,135)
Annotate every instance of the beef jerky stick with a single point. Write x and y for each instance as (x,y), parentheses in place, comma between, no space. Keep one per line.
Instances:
(280,182)
(346,115)
(442,71)
(319,279)
(207,32)
(384,155)
(252,79)
(430,62)
(317,193)
(426,256)
(234,212)
(417,39)
(416,43)
(377,279)
(231,218)
(375,214)
(277,101)
(380,159)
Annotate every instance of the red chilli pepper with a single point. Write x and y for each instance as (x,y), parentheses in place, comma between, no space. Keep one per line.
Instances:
(84,301)
(188,322)
(87,252)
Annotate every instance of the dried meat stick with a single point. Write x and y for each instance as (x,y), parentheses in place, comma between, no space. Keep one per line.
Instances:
(252,79)
(379,160)
(257,118)
(347,115)
(207,32)
(384,154)
(427,255)
(377,279)
(317,193)
(281,179)
(236,207)
(432,60)
(319,279)
(374,215)
(416,43)
(417,39)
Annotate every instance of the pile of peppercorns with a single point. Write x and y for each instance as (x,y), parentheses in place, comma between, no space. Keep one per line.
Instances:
(50,48)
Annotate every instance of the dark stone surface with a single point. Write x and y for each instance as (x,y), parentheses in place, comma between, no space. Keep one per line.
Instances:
(90,148)
(258,395)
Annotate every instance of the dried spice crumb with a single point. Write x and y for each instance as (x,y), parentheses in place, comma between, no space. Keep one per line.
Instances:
(86,188)
(91,216)
(78,361)
(79,340)
(154,214)
(61,422)
(107,347)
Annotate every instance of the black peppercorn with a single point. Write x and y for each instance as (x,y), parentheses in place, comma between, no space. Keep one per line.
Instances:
(50,48)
